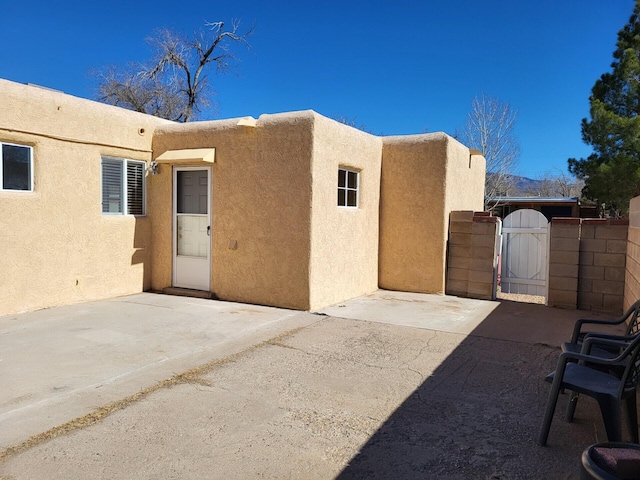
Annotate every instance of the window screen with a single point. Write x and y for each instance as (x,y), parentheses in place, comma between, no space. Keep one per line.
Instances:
(348,187)
(16,167)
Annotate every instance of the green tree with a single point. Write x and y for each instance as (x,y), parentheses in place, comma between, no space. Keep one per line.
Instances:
(612,172)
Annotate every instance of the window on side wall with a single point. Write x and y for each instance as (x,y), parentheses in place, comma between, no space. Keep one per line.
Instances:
(348,183)
(16,172)
(123,186)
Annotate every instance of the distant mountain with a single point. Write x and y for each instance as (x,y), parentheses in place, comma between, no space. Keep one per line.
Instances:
(560,186)
(524,184)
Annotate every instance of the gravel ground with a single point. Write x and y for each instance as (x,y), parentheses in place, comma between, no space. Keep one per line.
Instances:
(518,297)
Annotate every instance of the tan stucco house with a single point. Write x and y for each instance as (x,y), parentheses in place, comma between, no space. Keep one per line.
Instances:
(292,210)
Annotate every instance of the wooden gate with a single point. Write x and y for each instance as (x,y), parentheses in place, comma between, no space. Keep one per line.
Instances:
(524,253)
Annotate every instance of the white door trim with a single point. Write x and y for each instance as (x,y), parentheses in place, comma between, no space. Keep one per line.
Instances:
(190,263)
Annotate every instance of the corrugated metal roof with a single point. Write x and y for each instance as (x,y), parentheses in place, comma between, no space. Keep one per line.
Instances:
(534,200)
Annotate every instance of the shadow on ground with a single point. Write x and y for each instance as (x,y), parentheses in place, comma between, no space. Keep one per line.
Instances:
(478,414)
(383,391)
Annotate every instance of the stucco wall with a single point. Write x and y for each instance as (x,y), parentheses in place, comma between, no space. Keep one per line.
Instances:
(57,247)
(424,178)
(261,200)
(274,200)
(465,179)
(344,240)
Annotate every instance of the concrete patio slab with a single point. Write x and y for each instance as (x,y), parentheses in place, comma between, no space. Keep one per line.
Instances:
(435,312)
(62,363)
(507,320)
(274,393)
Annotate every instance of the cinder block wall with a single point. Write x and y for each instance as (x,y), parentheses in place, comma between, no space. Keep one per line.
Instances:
(587,259)
(603,250)
(459,253)
(564,255)
(471,267)
(632,268)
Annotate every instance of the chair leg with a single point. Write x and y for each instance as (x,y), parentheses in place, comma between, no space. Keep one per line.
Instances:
(632,414)
(571,408)
(548,414)
(611,414)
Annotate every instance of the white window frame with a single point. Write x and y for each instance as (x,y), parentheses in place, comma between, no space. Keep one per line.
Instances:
(30,149)
(124,200)
(346,189)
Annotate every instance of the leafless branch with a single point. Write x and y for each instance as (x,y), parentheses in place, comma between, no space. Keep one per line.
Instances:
(556,183)
(173,85)
(490,127)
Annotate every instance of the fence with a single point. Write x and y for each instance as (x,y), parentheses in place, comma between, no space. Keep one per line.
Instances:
(587,260)
(471,257)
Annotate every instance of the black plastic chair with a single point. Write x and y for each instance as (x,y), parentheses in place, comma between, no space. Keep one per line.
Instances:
(579,373)
(609,351)
(631,317)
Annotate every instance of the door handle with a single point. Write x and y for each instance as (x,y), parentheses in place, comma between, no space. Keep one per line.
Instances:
(209,230)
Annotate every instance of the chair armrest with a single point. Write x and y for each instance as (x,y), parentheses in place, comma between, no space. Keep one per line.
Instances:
(629,348)
(566,356)
(587,321)
(597,337)
(620,342)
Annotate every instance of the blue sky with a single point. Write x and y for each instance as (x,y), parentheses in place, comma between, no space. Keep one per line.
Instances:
(396,67)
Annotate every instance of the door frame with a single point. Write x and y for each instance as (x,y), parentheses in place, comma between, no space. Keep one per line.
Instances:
(174,220)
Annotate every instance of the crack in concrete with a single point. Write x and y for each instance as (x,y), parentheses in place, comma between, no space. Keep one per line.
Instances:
(193,376)
(422,350)
(291,347)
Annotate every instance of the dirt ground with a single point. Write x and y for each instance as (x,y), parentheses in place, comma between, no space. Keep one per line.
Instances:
(518,297)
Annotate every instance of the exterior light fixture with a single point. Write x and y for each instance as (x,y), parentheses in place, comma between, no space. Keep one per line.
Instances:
(153,167)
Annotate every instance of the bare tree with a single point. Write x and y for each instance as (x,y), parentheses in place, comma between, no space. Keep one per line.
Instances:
(545,186)
(554,183)
(490,127)
(566,185)
(174,84)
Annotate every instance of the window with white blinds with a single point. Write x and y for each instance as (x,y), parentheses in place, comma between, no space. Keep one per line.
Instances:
(123,184)
(135,188)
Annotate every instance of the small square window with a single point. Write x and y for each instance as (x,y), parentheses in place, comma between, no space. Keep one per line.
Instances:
(17,167)
(348,183)
(123,186)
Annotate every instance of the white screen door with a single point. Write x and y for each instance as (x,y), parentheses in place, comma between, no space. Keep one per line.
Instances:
(192,227)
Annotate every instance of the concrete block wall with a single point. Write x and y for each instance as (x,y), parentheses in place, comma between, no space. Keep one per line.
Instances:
(471,266)
(632,267)
(564,254)
(459,253)
(587,259)
(603,251)
(592,264)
